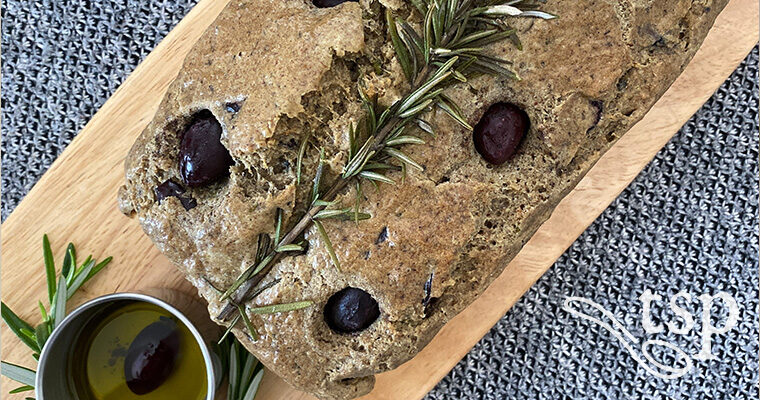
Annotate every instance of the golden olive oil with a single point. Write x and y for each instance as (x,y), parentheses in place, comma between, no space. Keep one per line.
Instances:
(98,359)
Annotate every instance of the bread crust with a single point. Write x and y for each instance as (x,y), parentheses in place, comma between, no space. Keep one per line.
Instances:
(291,68)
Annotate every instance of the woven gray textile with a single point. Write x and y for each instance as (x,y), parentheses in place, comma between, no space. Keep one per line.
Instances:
(688,222)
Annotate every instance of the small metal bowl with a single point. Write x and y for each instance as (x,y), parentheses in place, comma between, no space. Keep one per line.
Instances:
(53,378)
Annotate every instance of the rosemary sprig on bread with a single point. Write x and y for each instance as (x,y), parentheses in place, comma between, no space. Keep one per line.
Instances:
(446,46)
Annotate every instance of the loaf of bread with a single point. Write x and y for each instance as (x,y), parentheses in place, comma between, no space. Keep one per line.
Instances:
(219,159)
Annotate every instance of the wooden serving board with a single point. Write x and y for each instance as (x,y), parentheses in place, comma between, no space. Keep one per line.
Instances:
(76,201)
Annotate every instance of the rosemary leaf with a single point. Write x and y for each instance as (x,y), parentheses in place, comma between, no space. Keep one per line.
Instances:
(374,176)
(21,389)
(289,247)
(234,370)
(324,203)
(516,41)
(211,285)
(325,214)
(98,267)
(458,76)
(366,160)
(328,243)
(378,165)
(427,34)
(462,51)
(301,152)
(349,216)
(437,23)
(451,12)
(404,158)
(450,108)
(514,12)
(49,267)
(475,36)
(398,131)
(410,34)
(60,303)
(262,264)
(425,126)
(402,52)
(420,5)
(249,368)
(262,247)
(229,329)
(368,104)
(277,225)
(493,68)
(406,139)
(416,109)
(413,47)
(278,308)
(19,327)
(445,67)
(438,78)
(79,278)
(354,165)
(42,333)
(79,269)
(235,285)
(253,387)
(69,266)
(265,287)
(318,176)
(251,329)
(496,37)
(18,373)
(42,310)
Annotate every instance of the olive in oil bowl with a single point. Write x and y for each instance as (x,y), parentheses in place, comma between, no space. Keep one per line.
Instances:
(129,346)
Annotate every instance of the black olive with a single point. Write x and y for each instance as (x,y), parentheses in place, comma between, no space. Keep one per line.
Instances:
(329,3)
(151,356)
(203,159)
(173,189)
(499,132)
(351,310)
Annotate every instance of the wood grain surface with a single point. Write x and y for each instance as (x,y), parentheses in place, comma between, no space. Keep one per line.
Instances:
(76,201)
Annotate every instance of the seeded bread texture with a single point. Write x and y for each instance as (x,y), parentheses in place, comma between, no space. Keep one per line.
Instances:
(272,71)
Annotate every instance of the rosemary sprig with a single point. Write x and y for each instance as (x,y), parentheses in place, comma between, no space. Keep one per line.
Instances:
(449,47)
(244,371)
(71,278)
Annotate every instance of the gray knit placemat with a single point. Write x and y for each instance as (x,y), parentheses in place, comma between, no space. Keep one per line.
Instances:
(687,223)
(61,61)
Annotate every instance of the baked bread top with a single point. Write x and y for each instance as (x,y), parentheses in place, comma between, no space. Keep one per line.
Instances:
(268,73)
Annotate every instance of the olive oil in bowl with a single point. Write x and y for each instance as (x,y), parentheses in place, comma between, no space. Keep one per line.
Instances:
(137,351)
